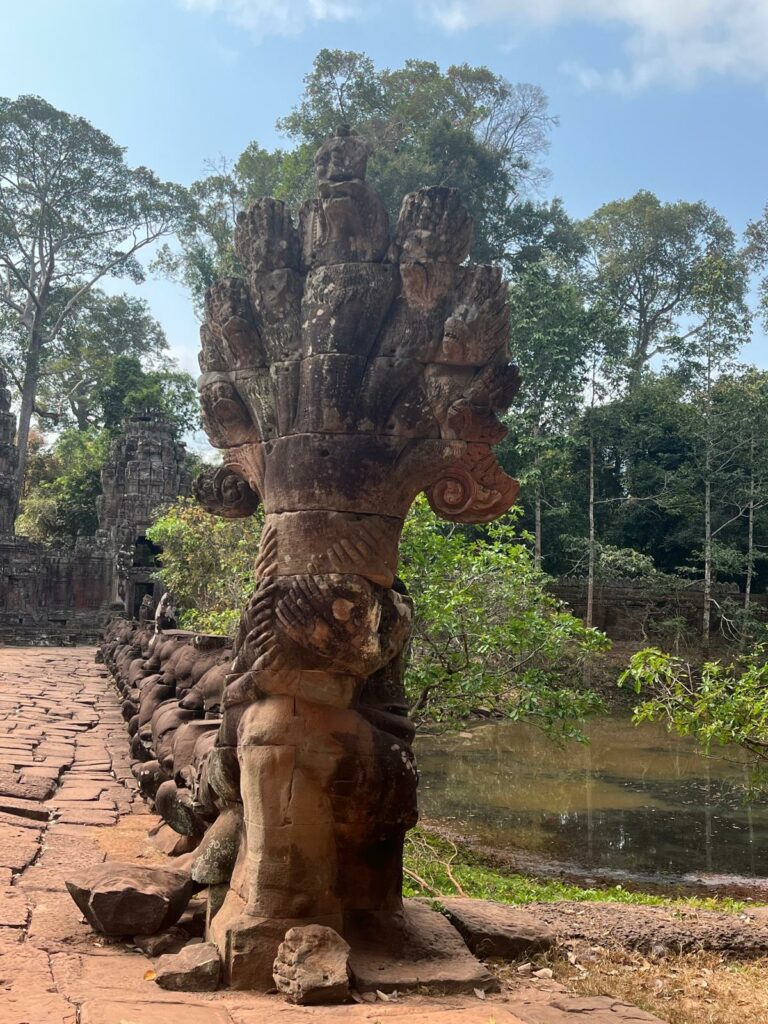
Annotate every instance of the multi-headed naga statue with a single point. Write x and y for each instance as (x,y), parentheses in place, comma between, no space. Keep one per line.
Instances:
(346,372)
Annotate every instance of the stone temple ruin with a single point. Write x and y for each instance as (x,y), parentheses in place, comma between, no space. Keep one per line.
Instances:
(50,596)
(349,370)
(146,470)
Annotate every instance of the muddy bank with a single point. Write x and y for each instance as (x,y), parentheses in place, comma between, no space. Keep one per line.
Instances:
(524,862)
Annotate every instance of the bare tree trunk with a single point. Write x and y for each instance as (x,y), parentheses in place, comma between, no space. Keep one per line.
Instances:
(706,617)
(28,396)
(750,529)
(537,498)
(591,566)
(707,611)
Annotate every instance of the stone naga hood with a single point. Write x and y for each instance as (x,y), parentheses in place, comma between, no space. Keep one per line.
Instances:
(350,369)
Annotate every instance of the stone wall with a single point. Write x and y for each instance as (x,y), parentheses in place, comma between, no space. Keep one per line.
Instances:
(630,609)
(50,596)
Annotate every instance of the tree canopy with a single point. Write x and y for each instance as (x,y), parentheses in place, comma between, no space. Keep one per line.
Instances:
(672,272)
(72,212)
(466,127)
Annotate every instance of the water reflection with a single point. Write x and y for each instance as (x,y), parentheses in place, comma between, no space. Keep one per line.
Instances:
(635,799)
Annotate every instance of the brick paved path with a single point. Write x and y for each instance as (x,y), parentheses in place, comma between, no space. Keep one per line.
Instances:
(67,799)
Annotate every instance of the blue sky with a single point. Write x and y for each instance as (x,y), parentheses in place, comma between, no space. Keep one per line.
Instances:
(669,95)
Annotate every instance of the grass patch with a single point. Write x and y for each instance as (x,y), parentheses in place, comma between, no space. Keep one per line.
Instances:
(436,867)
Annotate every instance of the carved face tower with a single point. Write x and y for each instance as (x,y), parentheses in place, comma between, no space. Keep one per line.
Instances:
(346,373)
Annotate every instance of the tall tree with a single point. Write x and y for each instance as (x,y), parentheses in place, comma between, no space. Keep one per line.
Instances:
(78,360)
(747,397)
(652,262)
(465,127)
(127,389)
(717,303)
(757,254)
(739,411)
(549,342)
(71,213)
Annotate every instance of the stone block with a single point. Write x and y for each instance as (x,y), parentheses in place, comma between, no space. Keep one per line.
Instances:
(248,945)
(196,968)
(414,950)
(493,929)
(125,899)
(169,941)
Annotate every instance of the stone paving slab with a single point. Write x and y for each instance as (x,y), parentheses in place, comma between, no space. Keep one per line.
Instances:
(67,797)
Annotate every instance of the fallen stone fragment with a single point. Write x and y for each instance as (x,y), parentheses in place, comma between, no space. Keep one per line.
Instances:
(193,918)
(126,899)
(312,966)
(169,941)
(496,930)
(164,839)
(196,968)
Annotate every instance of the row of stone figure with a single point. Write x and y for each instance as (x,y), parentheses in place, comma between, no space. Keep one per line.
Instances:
(172,685)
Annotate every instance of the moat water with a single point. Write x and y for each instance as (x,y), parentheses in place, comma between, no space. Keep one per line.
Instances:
(635,800)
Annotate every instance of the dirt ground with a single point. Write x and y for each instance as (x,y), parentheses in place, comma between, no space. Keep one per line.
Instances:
(692,988)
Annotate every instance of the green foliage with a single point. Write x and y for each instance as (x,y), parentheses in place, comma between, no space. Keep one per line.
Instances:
(62,486)
(671,271)
(101,329)
(126,389)
(464,127)
(652,445)
(486,633)
(613,563)
(436,867)
(207,563)
(66,180)
(63,480)
(722,703)
(71,213)
(757,255)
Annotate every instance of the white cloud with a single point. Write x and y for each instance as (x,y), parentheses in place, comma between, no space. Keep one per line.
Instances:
(276,17)
(667,41)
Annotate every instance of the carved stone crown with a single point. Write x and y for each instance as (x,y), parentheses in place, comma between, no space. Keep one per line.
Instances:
(348,370)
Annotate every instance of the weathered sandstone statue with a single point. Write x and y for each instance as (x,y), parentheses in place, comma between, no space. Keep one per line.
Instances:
(346,371)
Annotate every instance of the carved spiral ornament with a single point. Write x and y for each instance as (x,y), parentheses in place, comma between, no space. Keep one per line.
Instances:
(223,492)
(452,495)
